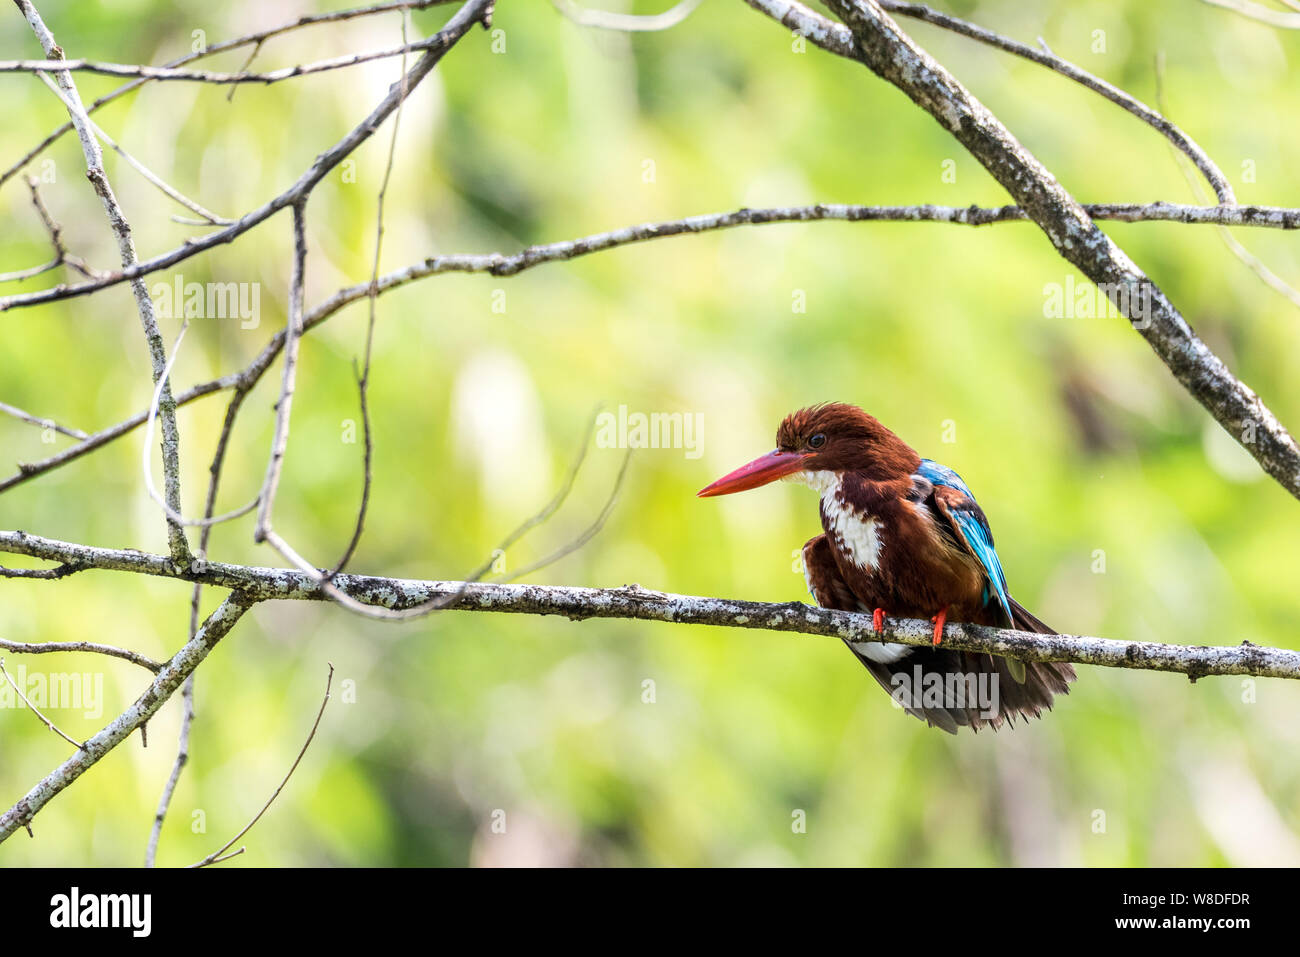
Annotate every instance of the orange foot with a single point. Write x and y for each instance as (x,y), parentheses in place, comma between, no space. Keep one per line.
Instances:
(939,621)
(878,620)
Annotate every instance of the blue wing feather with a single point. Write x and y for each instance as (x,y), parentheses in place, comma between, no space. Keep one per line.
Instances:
(974,530)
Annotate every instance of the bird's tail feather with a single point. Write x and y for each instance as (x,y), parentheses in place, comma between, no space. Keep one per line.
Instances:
(950,689)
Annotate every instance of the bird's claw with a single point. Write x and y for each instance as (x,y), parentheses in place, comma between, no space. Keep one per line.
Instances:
(878,620)
(939,621)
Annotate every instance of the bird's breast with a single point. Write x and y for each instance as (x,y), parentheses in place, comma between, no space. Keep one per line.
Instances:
(855,534)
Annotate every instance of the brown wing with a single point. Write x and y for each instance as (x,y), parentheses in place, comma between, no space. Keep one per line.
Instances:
(943,687)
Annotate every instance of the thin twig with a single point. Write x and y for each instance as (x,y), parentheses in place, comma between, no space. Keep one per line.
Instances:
(258,38)
(145,457)
(363,377)
(36,711)
(90,647)
(252,55)
(626,22)
(1252,262)
(1257,11)
(439,602)
(472,12)
(168,190)
(61,255)
(27,417)
(283,406)
(215,856)
(590,532)
(159,73)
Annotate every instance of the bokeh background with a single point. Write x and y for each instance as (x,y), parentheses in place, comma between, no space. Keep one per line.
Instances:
(1120,508)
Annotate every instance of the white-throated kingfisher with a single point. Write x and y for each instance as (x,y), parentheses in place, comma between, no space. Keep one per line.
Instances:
(904,536)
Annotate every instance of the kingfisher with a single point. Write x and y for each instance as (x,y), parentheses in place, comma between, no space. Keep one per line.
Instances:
(904,536)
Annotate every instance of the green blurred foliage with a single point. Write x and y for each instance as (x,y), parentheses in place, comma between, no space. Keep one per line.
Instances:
(1120,508)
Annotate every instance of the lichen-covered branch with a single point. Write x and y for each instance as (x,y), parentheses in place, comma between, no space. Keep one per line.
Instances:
(890,53)
(165,683)
(634,602)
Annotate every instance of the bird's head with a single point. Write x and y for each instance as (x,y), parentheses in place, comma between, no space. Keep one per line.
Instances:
(833,437)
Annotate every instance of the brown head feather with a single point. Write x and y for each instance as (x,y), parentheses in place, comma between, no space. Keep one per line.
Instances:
(853,440)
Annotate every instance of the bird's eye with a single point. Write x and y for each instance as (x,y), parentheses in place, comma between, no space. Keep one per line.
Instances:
(817,441)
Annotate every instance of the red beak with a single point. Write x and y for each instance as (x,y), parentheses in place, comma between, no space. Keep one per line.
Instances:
(766,468)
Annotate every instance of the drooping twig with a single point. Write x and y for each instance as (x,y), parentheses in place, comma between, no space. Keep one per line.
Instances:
(441,601)
(1257,11)
(587,534)
(62,257)
(627,22)
(216,856)
(363,377)
(35,710)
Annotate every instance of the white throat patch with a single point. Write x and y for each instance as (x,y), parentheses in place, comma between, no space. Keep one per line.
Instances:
(858,535)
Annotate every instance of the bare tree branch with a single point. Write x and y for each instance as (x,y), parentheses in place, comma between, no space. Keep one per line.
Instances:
(171,192)
(53,647)
(211,76)
(256,39)
(180,548)
(168,679)
(634,602)
(500,264)
(472,12)
(891,54)
(844,45)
